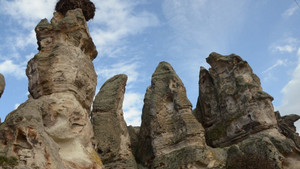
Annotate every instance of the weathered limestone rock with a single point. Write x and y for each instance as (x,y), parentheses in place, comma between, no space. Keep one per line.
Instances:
(170,136)
(64,63)
(287,127)
(52,129)
(231,103)
(2,84)
(111,134)
(266,149)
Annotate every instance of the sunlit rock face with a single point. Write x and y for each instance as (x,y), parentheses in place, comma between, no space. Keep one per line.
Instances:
(231,103)
(111,134)
(52,128)
(170,136)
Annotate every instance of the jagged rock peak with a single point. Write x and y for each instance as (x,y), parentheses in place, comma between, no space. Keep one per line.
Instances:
(52,128)
(111,134)
(2,84)
(170,136)
(64,62)
(231,103)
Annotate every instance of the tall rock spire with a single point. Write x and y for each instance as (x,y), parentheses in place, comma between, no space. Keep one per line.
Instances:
(52,128)
(111,134)
(170,136)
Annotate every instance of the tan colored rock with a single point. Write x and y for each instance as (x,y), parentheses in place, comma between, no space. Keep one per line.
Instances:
(2,84)
(111,134)
(231,103)
(170,136)
(52,129)
(64,63)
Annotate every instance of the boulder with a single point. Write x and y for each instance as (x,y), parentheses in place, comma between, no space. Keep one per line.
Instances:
(231,103)
(287,127)
(111,134)
(2,84)
(170,136)
(52,128)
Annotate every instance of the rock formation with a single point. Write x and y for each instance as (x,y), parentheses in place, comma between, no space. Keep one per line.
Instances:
(111,134)
(287,127)
(235,112)
(2,84)
(170,136)
(231,103)
(52,128)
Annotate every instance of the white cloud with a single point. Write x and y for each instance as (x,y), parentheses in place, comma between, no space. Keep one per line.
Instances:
(285,48)
(287,45)
(291,11)
(291,92)
(278,63)
(206,24)
(116,20)
(27,12)
(128,68)
(132,107)
(9,68)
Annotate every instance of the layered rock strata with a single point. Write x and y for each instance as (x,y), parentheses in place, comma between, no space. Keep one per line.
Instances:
(111,134)
(231,104)
(2,84)
(52,128)
(170,136)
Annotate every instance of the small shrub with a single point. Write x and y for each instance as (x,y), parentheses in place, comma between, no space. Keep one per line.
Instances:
(88,7)
(8,161)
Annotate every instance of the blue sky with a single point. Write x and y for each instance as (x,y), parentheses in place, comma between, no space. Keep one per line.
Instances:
(133,36)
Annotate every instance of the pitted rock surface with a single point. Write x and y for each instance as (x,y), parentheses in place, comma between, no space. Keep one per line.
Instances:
(52,129)
(64,63)
(231,103)
(111,134)
(170,136)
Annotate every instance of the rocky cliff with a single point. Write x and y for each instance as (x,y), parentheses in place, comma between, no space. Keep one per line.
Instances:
(234,125)
(52,128)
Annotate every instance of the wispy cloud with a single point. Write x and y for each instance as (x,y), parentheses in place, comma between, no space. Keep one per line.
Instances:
(291,91)
(128,68)
(133,103)
(9,68)
(27,12)
(116,20)
(291,11)
(279,62)
(287,45)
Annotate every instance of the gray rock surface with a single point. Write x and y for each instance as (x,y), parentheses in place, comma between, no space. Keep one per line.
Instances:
(52,129)
(287,127)
(266,149)
(111,134)
(231,104)
(170,136)
(2,84)
(134,138)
